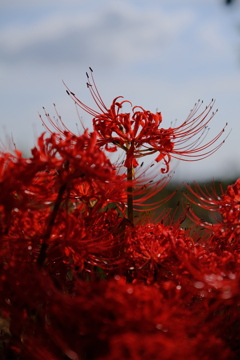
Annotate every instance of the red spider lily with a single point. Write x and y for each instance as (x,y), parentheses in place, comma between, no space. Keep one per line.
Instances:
(226,230)
(138,191)
(50,199)
(75,161)
(139,134)
(152,251)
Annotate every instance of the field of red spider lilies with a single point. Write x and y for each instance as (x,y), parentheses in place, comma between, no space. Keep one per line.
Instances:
(83,276)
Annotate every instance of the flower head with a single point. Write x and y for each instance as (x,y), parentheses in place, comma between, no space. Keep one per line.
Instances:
(225,230)
(49,200)
(139,132)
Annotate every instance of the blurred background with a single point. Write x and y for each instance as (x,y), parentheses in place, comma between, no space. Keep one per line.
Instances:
(160,54)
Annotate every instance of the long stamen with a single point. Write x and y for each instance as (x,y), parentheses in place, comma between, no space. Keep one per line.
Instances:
(80,103)
(96,91)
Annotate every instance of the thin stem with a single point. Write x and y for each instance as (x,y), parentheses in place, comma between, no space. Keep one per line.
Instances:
(43,251)
(44,247)
(130,194)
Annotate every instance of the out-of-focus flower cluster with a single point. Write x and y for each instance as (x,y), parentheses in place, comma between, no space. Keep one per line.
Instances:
(79,280)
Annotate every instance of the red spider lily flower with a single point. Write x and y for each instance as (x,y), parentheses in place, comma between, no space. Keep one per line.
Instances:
(52,197)
(139,133)
(139,192)
(77,161)
(226,230)
(151,251)
(229,207)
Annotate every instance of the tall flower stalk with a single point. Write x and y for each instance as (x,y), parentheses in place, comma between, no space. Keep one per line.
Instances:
(130,171)
(139,133)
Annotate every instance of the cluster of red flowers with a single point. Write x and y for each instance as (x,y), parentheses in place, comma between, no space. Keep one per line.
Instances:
(81,279)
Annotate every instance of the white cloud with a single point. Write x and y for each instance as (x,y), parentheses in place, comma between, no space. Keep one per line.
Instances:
(213,38)
(8,4)
(119,34)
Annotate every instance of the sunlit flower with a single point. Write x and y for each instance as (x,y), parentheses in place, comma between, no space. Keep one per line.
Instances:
(139,132)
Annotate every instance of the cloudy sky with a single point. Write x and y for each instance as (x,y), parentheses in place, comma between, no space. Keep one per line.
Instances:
(160,54)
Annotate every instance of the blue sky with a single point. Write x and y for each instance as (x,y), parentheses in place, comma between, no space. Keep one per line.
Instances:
(160,54)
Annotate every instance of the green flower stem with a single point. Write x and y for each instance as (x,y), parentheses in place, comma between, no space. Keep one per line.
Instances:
(130,194)
(45,244)
(44,247)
